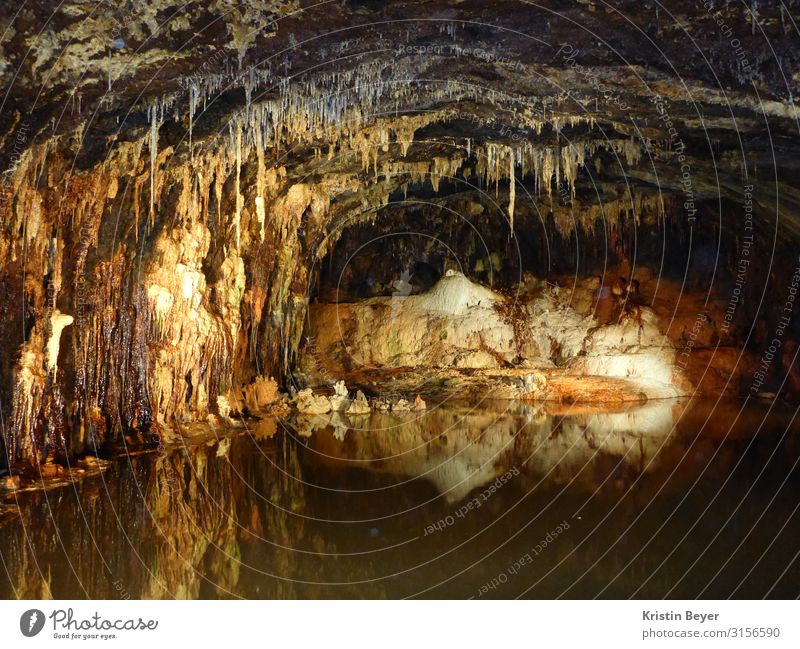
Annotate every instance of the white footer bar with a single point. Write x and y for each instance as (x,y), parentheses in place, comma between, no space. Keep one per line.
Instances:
(419,624)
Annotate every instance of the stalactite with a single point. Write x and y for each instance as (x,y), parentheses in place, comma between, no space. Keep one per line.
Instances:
(159,339)
(548,165)
(238,216)
(192,110)
(260,199)
(153,157)
(512,190)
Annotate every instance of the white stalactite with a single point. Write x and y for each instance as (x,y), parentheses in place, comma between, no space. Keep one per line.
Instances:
(153,156)
(58,321)
(512,190)
(238,188)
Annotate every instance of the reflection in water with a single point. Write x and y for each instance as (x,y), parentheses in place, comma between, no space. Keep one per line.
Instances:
(667,499)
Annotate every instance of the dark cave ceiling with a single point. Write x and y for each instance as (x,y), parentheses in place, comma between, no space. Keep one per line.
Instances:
(712,81)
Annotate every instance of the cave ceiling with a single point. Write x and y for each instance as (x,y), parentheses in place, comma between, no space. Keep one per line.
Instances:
(600,82)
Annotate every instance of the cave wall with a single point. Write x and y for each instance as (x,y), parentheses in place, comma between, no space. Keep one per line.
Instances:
(133,318)
(174,181)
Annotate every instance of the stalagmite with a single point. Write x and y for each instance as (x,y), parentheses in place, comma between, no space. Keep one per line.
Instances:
(359,405)
(340,400)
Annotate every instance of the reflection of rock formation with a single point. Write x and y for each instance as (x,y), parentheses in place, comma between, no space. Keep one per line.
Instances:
(184,525)
(451,448)
(458,449)
(253,515)
(193,512)
(567,448)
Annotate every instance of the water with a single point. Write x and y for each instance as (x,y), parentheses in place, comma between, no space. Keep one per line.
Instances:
(672,499)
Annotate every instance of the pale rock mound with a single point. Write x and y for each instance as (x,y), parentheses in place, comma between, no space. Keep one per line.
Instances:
(461,324)
(454,294)
(310,404)
(401,406)
(455,324)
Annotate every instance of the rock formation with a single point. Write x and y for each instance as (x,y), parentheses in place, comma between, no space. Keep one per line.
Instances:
(180,184)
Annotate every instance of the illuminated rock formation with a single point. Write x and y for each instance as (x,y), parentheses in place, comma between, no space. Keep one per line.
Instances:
(171,206)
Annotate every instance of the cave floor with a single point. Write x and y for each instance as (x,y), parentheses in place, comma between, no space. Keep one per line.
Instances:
(556,386)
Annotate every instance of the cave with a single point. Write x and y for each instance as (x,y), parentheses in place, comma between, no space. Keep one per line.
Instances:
(282,284)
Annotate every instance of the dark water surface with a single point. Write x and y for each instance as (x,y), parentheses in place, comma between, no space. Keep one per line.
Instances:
(666,500)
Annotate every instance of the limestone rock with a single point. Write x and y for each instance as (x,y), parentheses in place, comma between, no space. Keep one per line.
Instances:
(58,321)
(359,405)
(533,385)
(261,393)
(454,324)
(229,406)
(224,448)
(11,482)
(340,401)
(310,404)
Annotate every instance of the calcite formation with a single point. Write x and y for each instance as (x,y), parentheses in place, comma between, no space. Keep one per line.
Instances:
(309,403)
(551,338)
(359,405)
(180,183)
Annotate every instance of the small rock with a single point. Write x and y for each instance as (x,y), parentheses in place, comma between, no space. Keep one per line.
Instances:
(359,405)
(309,403)
(340,400)
(11,482)
(419,404)
(533,385)
(401,406)
(51,470)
